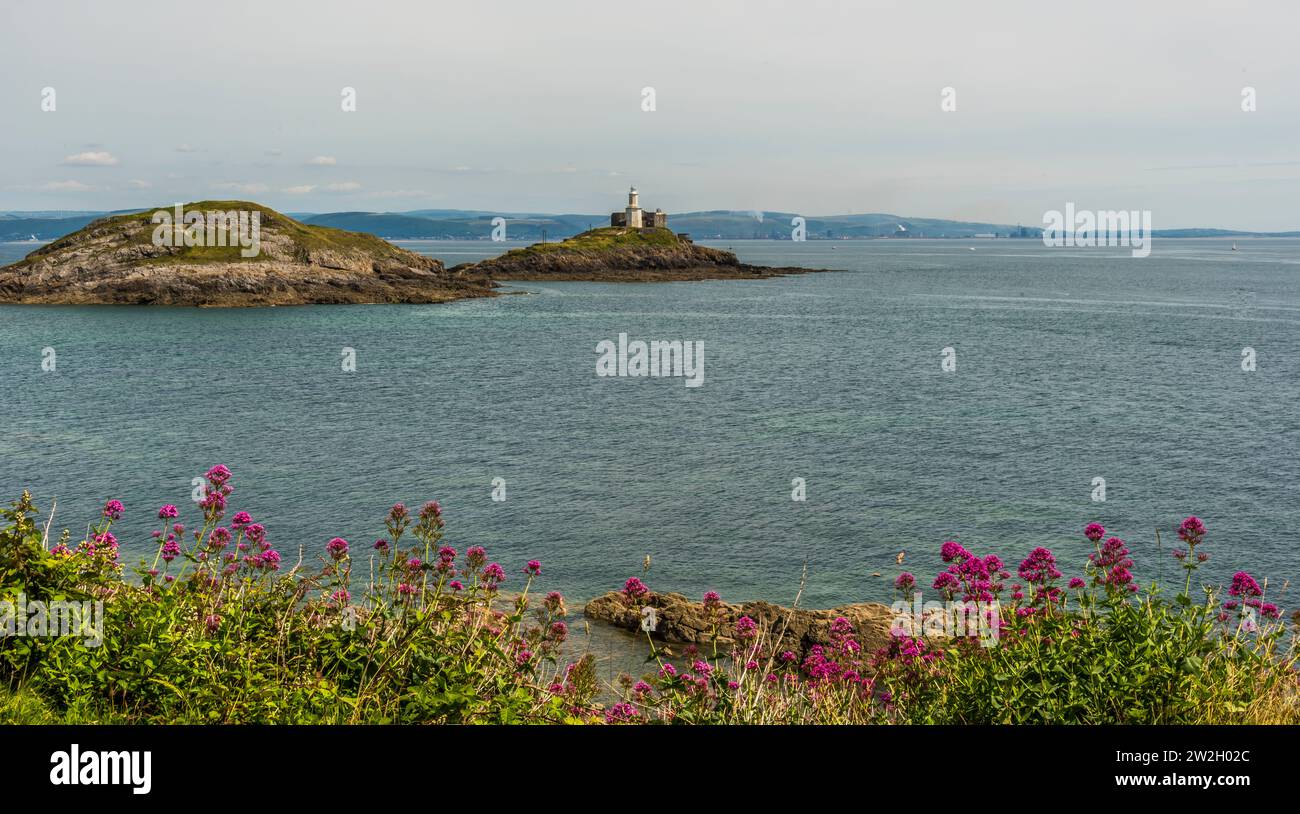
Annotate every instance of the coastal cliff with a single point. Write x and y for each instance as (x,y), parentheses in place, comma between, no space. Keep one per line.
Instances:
(133,259)
(619,254)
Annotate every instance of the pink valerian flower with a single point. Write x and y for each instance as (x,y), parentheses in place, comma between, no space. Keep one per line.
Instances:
(951,551)
(413,564)
(256,533)
(1094,531)
(905,583)
(240,521)
(621,713)
(168,512)
(1191,530)
(113,510)
(978,580)
(337,548)
(702,668)
(1039,570)
(634,589)
(1270,611)
(340,597)
(1076,582)
(170,550)
(712,601)
(559,632)
(405,589)
(270,559)
(1244,585)
(218,475)
(746,628)
(397,521)
(554,603)
(218,538)
(1112,564)
(380,545)
(430,519)
(642,689)
(455,585)
(475,557)
(493,575)
(533,568)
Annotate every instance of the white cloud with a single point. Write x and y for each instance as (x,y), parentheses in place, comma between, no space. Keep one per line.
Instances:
(346,186)
(322,161)
(65,186)
(186,148)
(136,183)
(299,190)
(97,158)
(245,188)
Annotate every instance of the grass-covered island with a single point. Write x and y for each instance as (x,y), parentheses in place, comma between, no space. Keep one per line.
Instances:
(237,253)
(224,624)
(621,254)
(226,253)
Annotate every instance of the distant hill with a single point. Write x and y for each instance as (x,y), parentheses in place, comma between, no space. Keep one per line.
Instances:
(718,224)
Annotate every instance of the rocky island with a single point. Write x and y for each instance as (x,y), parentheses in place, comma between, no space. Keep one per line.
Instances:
(227,253)
(236,253)
(621,254)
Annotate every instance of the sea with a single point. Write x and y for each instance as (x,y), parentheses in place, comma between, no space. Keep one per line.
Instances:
(1000,393)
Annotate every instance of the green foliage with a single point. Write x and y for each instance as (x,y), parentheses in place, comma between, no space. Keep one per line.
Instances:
(241,642)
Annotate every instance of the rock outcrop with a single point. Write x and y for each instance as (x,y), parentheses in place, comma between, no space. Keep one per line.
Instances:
(617,254)
(678,619)
(118,260)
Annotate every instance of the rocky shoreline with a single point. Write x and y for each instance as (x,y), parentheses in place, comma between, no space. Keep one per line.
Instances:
(680,620)
(618,255)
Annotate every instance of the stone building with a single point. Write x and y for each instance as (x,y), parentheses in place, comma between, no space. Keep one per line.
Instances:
(637,218)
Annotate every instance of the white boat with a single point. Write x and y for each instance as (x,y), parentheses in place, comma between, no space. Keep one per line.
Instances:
(31,239)
(1234,245)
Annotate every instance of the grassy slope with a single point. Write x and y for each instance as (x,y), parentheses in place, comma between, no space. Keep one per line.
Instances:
(604,239)
(306,237)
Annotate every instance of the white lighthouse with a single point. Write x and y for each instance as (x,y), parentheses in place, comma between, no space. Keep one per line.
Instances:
(634,217)
(633,210)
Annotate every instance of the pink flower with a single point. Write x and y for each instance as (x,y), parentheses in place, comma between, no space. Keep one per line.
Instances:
(1094,531)
(337,548)
(494,574)
(533,568)
(1191,530)
(635,589)
(168,512)
(113,510)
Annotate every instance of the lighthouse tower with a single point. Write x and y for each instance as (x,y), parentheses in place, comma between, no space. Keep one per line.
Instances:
(633,210)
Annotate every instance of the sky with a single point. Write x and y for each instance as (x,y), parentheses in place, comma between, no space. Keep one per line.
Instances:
(810,107)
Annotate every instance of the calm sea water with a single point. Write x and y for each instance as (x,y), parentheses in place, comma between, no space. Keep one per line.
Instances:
(1072,364)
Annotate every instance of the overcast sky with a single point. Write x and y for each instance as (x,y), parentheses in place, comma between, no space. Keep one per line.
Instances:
(809,107)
